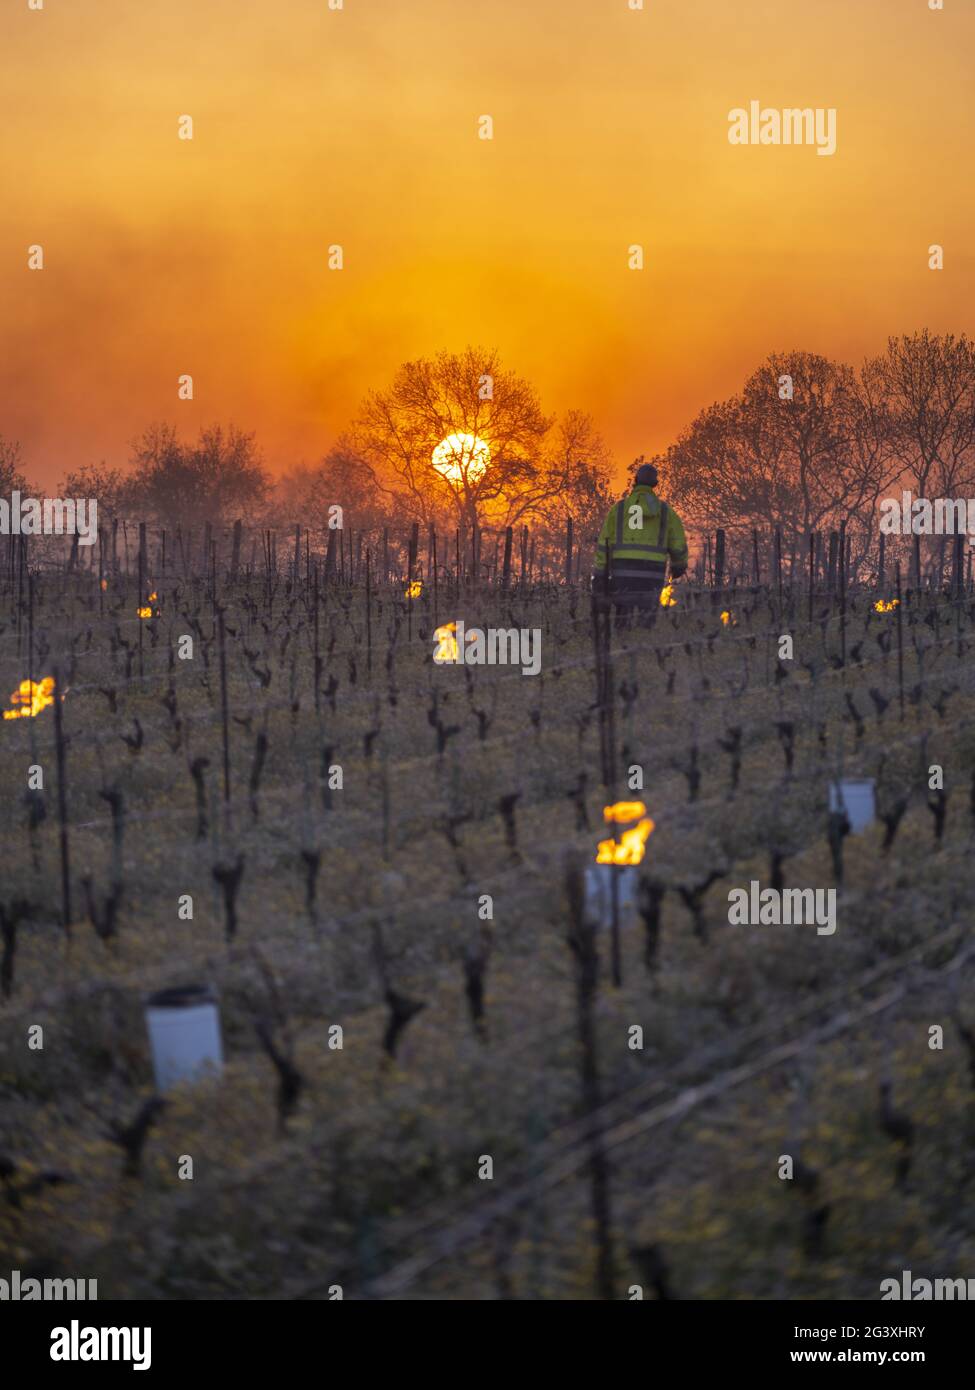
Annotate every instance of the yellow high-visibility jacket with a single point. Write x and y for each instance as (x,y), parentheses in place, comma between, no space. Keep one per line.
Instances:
(638,536)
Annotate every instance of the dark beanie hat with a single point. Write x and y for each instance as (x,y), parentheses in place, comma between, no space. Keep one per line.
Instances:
(646,475)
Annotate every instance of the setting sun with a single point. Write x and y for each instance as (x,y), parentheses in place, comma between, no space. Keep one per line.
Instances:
(461,458)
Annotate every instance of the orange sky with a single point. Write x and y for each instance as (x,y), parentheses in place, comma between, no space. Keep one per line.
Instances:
(359,127)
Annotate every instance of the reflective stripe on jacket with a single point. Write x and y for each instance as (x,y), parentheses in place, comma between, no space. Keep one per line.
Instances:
(641,550)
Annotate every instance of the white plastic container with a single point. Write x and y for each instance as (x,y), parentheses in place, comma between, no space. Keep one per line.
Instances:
(184,1034)
(599,891)
(857,797)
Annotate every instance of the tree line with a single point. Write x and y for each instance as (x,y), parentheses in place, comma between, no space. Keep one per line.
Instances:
(807,444)
(810,443)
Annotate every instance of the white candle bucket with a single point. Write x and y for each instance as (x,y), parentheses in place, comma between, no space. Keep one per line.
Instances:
(856,796)
(599,892)
(184,1033)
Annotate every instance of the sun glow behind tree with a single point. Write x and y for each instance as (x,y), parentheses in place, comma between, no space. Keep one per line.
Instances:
(461,458)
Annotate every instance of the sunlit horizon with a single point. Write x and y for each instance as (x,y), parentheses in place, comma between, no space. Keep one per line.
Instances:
(358,128)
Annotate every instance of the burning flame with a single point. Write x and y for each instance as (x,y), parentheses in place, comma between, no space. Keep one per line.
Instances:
(447,650)
(153,597)
(729,619)
(104,585)
(414,589)
(623,812)
(630,846)
(144,612)
(32,697)
(667,599)
(886,605)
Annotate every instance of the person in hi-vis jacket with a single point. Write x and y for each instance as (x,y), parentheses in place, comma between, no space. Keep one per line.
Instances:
(640,534)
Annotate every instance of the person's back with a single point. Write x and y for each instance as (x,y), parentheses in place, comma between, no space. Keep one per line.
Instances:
(640,534)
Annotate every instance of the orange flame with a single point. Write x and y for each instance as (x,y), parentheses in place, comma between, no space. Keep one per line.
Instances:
(104,585)
(414,589)
(667,599)
(623,812)
(32,697)
(447,650)
(153,596)
(144,612)
(886,605)
(630,846)
(729,619)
